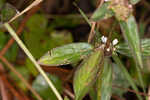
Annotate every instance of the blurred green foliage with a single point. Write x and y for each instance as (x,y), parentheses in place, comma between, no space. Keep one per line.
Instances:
(11,54)
(41,86)
(39,40)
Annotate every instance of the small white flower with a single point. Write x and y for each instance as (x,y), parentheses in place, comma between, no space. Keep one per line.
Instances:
(108,49)
(104,39)
(115,41)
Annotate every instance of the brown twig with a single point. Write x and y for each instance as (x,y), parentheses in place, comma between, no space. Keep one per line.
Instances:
(11,88)
(69,93)
(17,88)
(92,32)
(130,90)
(10,66)
(4,92)
(20,29)
(8,85)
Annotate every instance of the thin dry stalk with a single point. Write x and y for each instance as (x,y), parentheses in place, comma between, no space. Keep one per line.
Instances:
(24,48)
(36,2)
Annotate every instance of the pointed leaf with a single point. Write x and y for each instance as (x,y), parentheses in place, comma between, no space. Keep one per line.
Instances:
(104,85)
(66,54)
(126,74)
(130,32)
(102,13)
(124,49)
(86,75)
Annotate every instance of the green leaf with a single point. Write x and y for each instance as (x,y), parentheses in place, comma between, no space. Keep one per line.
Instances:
(66,54)
(133,2)
(104,84)
(41,86)
(126,74)
(102,13)
(87,73)
(130,32)
(120,80)
(124,49)
(35,34)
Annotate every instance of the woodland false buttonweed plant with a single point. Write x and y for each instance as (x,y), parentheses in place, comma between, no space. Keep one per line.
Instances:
(95,73)
(97,65)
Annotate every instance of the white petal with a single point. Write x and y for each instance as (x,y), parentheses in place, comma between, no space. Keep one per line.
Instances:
(115,41)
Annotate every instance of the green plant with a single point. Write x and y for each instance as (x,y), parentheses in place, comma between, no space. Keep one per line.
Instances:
(96,65)
(97,72)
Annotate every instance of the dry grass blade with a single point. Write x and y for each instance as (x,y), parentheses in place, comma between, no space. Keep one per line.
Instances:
(24,48)
(36,2)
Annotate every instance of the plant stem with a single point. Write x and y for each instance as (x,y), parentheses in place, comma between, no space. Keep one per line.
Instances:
(20,43)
